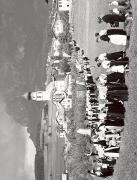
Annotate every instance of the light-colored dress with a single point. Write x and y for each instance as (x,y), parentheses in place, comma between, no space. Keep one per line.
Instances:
(119,69)
(103,78)
(102,56)
(105,64)
(102,92)
(118,39)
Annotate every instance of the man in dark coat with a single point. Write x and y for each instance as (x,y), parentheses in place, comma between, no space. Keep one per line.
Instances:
(112,19)
(116,107)
(104,160)
(115,55)
(120,95)
(119,63)
(116,77)
(105,172)
(109,32)
(112,121)
(119,55)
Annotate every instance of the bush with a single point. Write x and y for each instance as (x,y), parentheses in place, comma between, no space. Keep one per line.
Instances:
(64,66)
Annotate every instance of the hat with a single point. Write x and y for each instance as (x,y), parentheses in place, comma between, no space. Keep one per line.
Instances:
(99,64)
(96,34)
(96,59)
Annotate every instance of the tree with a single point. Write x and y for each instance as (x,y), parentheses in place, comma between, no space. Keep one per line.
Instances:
(64,66)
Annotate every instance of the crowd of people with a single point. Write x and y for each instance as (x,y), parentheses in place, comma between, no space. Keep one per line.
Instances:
(120,14)
(106,94)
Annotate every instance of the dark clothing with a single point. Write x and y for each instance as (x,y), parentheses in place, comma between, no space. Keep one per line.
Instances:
(101,142)
(117,95)
(115,115)
(118,63)
(105,38)
(116,32)
(116,122)
(113,122)
(117,92)
(115,77)
(109,162)
(116,107)
(85,59)
(115,55)
(93,100)
(124,60)
(113,150)
(77,48)
(122,3)
(107,172)
(92,90)
(119,87)
(90,80)
(112,18)
(94,120)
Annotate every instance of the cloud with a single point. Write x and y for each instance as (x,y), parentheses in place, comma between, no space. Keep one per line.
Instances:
(15,147)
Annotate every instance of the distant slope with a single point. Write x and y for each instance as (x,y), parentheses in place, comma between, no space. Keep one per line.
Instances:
(39,166)
(39,158)
(21,45)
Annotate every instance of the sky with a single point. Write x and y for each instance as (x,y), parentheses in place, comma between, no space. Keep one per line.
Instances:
(17,151)
(22,24)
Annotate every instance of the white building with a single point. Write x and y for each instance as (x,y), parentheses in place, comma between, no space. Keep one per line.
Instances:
(59,87)
(41,95)
(64,5)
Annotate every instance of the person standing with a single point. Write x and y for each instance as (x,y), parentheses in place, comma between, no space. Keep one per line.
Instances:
(122,11)
(114,78)
(111,56)
(115,107)
(119,122)
(120,69)
(108,64)
(119,3)
(112,19)
(115,36)
(119,95)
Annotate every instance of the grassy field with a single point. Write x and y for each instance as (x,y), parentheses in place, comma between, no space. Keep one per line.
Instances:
(85,26)
(127,165)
